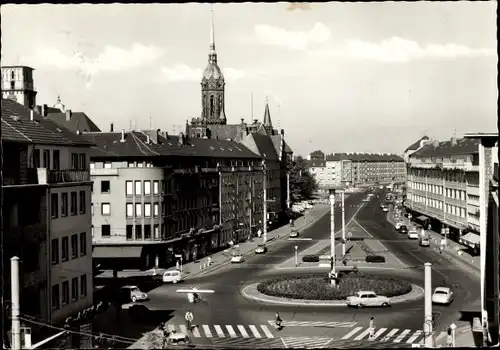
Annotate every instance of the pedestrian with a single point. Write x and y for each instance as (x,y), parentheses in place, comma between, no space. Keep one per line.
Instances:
(177,266)
(209,261)
(259,233)
(372,328)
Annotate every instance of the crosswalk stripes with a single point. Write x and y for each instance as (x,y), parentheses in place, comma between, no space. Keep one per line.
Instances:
(384,335)
(331,324)
(306,342)
(226,331)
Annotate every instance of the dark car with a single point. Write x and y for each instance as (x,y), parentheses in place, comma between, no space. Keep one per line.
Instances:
(403,229)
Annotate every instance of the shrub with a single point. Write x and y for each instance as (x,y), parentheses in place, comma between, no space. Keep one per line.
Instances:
(317,287)
(310,258)
(375,259)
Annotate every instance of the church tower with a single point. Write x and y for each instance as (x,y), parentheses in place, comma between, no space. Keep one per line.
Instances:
(268,124)
(212,86)
(17,85)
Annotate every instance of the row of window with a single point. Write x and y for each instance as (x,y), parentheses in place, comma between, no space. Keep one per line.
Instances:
(448,208)
(76,240)
(138,210)
(437,189)
(61,292)
(109,165)
(68,201)
(137,187)
(137,232)
(78,160)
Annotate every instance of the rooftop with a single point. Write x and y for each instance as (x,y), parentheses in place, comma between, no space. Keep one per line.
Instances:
(364,157)
(78,121)
(462,146)
(17,126)
(416,145)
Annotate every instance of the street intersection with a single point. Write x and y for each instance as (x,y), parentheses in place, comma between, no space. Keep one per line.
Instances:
(228,319)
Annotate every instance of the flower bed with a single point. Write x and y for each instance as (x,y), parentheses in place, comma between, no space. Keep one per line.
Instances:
(317,287)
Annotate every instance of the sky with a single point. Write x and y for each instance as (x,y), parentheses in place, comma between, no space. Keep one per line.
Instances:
(340,77)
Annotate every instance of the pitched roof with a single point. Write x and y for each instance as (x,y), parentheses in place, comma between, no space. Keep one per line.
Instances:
(135,145)
(225,132)
(416,145)
(364,157)
(265,146)
(18,127)
(277,144)
(462,146)
(336,157)
(78,121)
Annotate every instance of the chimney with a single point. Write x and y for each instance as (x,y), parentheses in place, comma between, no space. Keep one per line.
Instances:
(453,141)
(123,136)
(148,139)
(181,139)
(111,128)
(256,121)
(37,109)
(32,115)
(45,111)
(68,115)
(435,143)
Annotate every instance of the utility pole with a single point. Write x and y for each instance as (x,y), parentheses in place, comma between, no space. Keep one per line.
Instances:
(16,323)
(264,221)
(428,306)
(288,190)
(332,235)
(343,225)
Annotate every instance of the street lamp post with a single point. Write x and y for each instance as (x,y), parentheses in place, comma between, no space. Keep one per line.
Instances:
(264,220)
(296,256)
(288,190)
(332,235)
(428,326)
(343,225)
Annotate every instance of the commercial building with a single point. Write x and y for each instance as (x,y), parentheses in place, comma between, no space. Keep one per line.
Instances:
(443,187)
(158,195)
(46,213)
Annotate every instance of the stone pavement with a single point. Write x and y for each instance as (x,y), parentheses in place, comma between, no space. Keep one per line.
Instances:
(251,292)
(454,251)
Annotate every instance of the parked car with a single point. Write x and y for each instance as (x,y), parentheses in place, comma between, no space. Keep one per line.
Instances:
(294,234)
(385,209)
(442,295)
(403,229)
(398,225)
(424,241)
(237,259)
(261,249)
(412,234)
(132,294)
(367,298)
(172,276)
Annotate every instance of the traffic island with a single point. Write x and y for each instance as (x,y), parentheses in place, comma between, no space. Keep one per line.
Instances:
(316,290)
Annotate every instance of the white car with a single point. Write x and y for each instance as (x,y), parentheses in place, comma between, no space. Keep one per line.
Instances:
(237,259)
(442,295)
(173,276)
(294,234)
(367,298)
(366,199)
(398,225)
(385,209)
(412,234)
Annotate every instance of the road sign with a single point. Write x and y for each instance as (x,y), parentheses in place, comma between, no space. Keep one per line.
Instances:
(447,230)
(453,326)
(443,231)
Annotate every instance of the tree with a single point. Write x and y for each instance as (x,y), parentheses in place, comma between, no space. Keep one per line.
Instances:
(302,182)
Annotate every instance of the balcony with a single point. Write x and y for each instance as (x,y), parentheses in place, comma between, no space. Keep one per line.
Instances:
(104,172)
(44,176)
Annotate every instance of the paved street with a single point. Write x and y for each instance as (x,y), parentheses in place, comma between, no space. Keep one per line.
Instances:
(227,319)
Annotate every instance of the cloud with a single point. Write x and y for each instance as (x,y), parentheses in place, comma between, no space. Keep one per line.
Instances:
(398,49)
(182,72)
(109,59)
(293,40)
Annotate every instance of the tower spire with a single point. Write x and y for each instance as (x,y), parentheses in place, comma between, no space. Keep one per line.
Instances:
(212,30)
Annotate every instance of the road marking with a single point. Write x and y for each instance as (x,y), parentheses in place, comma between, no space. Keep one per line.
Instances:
(196,332)
(402,335)
(305,342)
(231,331)
(284,344)
(362,335)
(351,333)
(255,331)
(183,329)
(379,333)
(316,324)
(267,332)
(219,331)
(207,331)
(243,331)
(390,334)
(414,337)
(300,239)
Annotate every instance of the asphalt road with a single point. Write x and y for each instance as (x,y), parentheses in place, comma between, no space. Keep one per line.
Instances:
(228,307)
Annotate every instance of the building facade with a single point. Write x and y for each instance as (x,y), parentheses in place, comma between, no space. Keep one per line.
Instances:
(17,85)
(443,185)
(317,168)
(47,213)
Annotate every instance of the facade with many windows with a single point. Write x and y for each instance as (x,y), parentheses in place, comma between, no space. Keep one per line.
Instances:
(46,210)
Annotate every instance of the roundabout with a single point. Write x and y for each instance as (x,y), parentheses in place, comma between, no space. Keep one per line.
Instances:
(316,290)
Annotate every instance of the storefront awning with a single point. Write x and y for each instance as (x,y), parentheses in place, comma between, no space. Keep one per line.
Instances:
(108,252)
(423,218)
(470,239)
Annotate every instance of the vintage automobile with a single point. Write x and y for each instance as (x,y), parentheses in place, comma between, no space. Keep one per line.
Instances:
(261,249)
(442,295)
(237,259)
(367,298)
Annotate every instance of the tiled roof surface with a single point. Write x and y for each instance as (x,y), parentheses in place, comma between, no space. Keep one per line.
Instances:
(414,146)
(362,157)
(265,146)
(277,144)
(225,132)
(17,127)
(442,148)
(135,145)
(79,121)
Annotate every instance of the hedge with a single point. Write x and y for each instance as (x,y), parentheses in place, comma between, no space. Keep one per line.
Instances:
(317,287)
(375,259)
(310,258)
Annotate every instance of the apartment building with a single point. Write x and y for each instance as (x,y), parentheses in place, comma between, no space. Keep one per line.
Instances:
(443,185)
(157,195)
(46,210)
(317,168)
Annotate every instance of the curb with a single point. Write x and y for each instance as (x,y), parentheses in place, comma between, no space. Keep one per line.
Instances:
(269,242)
(251,292)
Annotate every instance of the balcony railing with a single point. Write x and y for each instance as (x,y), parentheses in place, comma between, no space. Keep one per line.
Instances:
(65,176)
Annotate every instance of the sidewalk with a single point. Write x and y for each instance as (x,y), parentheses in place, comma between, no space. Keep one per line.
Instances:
(454,251)
(464,337)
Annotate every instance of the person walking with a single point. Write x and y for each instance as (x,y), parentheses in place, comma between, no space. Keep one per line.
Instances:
(372,328)
(189,319)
